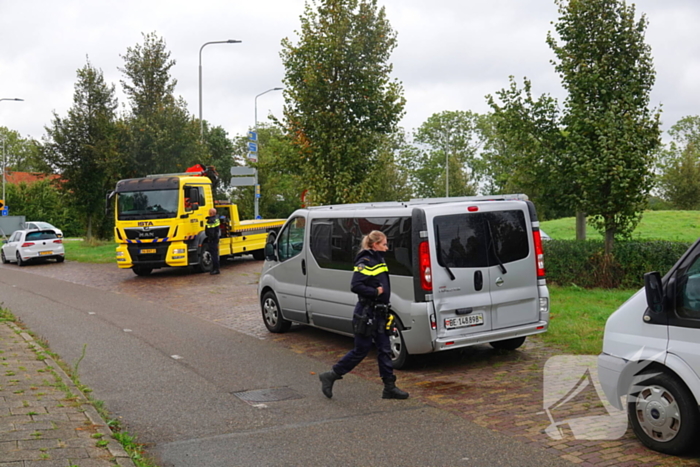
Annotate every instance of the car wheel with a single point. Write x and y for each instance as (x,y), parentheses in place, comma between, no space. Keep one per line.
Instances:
(664,414)
(272,316)
(19,260)
(508,344)
(141,271)
(399,354)
(206,262)
(4,260)
(60,259)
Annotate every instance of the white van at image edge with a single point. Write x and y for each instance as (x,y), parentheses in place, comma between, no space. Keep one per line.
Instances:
(651,355)
(484,284)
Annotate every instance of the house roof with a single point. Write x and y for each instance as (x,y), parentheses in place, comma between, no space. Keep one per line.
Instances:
(15,178)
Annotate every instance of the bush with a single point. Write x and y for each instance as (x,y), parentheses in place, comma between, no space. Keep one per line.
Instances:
(583,264)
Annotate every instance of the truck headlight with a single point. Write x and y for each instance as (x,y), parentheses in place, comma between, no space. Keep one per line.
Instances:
(120,254)
(179,251)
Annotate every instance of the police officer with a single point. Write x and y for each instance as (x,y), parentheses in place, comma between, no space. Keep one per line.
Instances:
(211,229)
(370,281)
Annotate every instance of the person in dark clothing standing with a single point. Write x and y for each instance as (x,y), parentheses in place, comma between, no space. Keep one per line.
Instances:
(370,281)
(211,229)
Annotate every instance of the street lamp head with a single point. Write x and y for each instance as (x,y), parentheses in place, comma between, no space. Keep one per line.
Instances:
(11,99)
(233,41)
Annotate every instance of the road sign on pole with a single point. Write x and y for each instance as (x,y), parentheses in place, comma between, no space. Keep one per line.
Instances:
(252,146)
(253,156)
(253,135)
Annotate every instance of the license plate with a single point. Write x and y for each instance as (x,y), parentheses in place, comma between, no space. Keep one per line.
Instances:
(476,319)
(148,251)
(46,252)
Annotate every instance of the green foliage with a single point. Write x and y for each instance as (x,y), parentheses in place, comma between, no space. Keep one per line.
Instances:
(339,99)
(82,146)
(41,201)
(526,148)
(607,69)
(452,139)
(158,136)
(21,154)
(584,264)
(679,181)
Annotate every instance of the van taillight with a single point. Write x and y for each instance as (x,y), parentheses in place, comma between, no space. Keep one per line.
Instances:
(426,272)
(539,254)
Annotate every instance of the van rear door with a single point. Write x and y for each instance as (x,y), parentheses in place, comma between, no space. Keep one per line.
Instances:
(484,275)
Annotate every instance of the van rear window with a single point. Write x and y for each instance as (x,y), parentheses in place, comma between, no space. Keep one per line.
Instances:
(465,240)
(336,241)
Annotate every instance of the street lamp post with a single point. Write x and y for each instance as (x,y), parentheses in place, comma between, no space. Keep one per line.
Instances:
(258,141)
(4,154)
(201,122)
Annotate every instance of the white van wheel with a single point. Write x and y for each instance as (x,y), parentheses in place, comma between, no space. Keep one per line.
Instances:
(399,355)
(272,316)
(664,414)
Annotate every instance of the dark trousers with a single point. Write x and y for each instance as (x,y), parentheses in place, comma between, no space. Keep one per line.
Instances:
(362,348)
(214,251)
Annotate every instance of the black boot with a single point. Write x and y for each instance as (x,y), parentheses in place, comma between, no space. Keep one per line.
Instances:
(390,389)
(327,380)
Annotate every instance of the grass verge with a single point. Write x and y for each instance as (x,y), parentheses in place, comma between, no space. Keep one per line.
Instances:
(131,446)
(578,317)
(93,251)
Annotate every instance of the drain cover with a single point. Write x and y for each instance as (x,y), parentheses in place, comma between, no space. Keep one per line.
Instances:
(268,395)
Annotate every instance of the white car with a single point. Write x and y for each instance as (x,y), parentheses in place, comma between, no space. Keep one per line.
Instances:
(32,245)
(38,225)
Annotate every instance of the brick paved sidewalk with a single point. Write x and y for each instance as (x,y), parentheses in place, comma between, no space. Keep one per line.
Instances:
(44,419)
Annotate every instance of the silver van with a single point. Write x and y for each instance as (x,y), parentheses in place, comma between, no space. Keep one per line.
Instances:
(464,271)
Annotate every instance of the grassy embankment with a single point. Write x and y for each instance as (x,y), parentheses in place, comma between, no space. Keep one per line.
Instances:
(579,315)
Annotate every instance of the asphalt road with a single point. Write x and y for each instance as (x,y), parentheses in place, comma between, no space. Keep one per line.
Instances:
(173,377)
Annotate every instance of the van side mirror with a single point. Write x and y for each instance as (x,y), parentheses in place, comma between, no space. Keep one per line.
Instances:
(654,291)
(270,247)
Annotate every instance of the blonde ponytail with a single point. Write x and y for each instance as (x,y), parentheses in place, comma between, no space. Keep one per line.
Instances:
(371,238)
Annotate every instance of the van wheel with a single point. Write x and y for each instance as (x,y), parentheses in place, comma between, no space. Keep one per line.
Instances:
(664,414)
(399,354)
(272,316)
(508,344)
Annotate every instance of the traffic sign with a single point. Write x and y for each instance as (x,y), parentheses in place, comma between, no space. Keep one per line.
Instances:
(253,156)
(252,147)
(2,203)
(253,135)
(5,211)
(242,171)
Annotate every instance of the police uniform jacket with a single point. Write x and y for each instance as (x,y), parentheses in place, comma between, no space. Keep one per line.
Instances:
(211,228)
(370,273)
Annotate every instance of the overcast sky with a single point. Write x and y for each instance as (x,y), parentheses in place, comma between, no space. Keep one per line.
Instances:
(450,53)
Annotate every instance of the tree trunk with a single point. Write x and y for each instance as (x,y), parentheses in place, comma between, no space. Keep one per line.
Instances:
(609,241)
(580,225)
(89,228)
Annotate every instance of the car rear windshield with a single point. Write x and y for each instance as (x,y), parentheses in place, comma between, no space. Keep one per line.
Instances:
(474,240)
(47,235)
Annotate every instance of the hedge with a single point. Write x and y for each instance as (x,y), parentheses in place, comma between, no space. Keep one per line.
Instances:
(571,262)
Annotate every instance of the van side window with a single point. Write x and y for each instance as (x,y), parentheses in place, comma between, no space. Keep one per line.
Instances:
(336,241)
(464,239)
(688,303)
(291,239)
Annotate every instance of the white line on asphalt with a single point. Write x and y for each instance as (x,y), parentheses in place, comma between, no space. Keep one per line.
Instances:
(127,330)
(176,357)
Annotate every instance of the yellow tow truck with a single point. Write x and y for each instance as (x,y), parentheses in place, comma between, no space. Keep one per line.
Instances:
(159,222)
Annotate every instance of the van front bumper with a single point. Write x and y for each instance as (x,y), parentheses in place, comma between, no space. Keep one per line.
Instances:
(453,342)
(609,372)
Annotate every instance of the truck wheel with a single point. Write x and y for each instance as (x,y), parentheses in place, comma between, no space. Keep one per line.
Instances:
(259,255)
(399,354)
(272,316)
(141,271)
(664,414)
(206,262)
(508,344)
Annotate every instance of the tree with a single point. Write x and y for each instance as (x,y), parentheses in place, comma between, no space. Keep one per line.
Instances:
(679,181)
(607,69)
(525,148)
(82,145)
(449,139)
(161,136)
(339,99)
(23,154)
